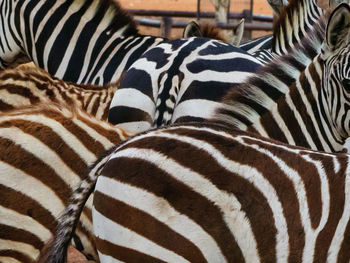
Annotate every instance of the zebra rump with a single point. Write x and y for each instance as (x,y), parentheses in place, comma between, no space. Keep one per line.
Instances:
(45,151)
(208,193)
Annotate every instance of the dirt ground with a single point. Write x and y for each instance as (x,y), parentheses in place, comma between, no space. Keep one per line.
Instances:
(259,7)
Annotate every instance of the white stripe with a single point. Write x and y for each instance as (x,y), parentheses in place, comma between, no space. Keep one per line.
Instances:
(16,220)
(25,249)
(338,237)
(195,108)
(235,218)
(161,210)
(9,260)
(88,15)
(70,139)
(126,238)
(108,259)
(133,98)
(102,26)
(74,7)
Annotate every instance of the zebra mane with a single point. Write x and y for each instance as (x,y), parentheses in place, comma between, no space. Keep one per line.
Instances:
(120,17)
(287,21)
(272,81)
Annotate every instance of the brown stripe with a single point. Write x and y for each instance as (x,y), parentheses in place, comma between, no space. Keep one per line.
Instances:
(181,197)
(24,92)
(272,128)
(90,143)
(49,138)
(4,106)
(111,134)
(254,204)
(20,235)
(156,231)
(344,253)
(16,255)
(288,115)
(19,158)
(124,254)
(337,203)
(308,174)
(26,206)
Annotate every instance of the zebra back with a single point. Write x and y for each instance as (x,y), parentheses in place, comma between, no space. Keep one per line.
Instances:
(45,151)
(208,193)
(28,85)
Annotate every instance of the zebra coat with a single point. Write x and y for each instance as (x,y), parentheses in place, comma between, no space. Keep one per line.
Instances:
(307,108)
(90,41)
(45,151)
(209,193)
(27,85)
(185,80)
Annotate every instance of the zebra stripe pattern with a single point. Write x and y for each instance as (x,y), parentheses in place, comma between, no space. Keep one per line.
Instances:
(293,24)
(45,151)
(27,85)
(181,80)
(90,41)
(196,193)
(308,108)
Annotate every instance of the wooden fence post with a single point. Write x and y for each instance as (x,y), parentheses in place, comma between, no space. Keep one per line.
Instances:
(165,26)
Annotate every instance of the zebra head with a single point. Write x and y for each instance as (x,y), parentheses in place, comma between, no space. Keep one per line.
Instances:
(11,45)
(336,74)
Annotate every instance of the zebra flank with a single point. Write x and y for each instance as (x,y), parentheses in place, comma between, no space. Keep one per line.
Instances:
(89,41)
(45,151)
(27,85)
(209,193)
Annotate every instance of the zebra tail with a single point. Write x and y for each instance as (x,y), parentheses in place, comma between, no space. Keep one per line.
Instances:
(56,250)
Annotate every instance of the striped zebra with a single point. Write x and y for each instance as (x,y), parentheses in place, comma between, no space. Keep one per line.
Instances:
(90,41)
(45,151)
(194,29)
(27,85)
(183,75)
(197,193)
(182,80)
(307,107)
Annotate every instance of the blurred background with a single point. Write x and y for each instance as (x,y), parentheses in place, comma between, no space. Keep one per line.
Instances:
(167,17)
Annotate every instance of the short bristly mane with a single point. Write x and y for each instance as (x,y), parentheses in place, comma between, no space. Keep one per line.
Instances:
(272,80)
(120,17)
(287,26)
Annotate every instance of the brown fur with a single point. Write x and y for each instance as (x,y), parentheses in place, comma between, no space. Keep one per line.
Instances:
(39,166)
(32,85)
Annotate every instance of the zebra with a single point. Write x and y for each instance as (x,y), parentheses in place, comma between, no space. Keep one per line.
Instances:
(28,85)
(45,150)
(158,84)
(175,83)
(90,41)
(307,108)
(193,29)
(197,192)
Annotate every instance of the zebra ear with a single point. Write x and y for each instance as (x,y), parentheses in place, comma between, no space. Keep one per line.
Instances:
(335,3)
(192,30)
(237,34)
(338,26)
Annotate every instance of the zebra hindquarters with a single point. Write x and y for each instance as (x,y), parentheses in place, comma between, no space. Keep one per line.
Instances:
(206,193)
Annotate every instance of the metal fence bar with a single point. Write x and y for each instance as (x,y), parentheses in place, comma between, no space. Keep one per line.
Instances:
(181,24)
(193,14)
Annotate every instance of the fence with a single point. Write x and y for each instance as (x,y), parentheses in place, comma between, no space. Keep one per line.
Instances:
(166,21)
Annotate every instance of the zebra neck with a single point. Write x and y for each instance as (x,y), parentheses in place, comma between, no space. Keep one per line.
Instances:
(70,38)
(294,22)
(301,116)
